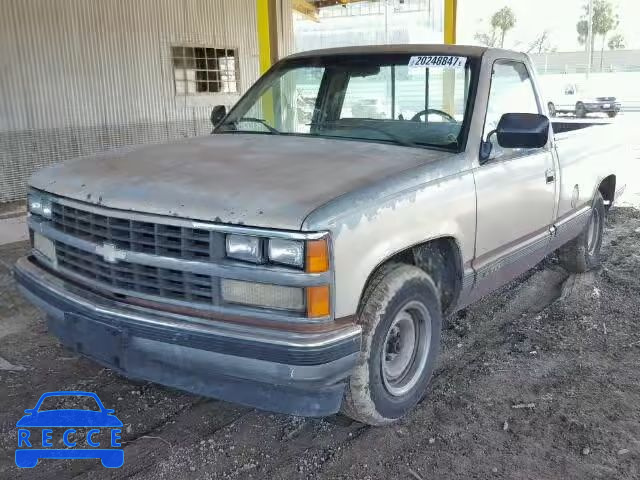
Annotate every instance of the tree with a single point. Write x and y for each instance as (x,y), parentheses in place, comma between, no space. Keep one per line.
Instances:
(616,42)
(503,20)
(489,40)
(583,31)
(604,19)
(541,44)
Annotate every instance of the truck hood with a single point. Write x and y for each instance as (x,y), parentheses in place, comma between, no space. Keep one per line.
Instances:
(252,179)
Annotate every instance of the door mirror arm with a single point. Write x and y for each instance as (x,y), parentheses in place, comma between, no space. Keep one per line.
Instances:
(486,147)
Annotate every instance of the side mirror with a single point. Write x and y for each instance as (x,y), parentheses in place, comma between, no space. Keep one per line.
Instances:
(217,114)
(523,130)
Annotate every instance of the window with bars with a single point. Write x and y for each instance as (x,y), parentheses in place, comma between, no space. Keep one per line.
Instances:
(204,70)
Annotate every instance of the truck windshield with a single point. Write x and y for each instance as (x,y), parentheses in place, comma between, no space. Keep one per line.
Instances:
(402,99)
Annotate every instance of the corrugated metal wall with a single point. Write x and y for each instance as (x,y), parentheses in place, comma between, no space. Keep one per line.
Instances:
(83,76)
(286,41)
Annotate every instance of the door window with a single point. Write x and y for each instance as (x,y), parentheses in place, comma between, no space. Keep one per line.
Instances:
(511,92)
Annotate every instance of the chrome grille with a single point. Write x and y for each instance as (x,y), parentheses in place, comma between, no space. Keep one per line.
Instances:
(135,278)
(154,238)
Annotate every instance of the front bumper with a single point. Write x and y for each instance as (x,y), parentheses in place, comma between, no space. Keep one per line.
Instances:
(294,373)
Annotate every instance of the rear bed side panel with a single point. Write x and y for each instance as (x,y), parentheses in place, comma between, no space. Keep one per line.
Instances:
(587,156)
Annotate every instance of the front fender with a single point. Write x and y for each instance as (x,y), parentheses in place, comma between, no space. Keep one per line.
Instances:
(364,238)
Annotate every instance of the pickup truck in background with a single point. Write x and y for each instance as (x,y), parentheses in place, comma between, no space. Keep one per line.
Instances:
(580,101)
(306,265)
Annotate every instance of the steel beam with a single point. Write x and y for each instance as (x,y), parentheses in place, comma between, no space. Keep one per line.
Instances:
(267,33)
(450,20)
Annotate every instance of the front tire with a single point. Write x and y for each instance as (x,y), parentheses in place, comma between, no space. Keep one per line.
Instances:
(552,109)
(401,322)
(583,252)
(612,114)
(581,111)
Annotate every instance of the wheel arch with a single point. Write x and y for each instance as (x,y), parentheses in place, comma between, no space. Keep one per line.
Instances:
(607,188)
(440,257)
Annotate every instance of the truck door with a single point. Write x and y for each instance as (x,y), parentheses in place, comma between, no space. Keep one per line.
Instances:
(515,188)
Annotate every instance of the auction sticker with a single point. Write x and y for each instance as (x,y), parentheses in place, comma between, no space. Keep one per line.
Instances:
(443,61)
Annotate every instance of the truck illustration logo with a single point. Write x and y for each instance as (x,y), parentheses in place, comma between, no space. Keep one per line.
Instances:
(84,431)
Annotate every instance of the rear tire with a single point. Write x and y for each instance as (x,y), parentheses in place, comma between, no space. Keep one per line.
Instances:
(552,109)
(583,252)
(401,322)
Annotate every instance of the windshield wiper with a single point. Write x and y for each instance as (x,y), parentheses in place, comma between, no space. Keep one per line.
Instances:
(255,120)
(392,136)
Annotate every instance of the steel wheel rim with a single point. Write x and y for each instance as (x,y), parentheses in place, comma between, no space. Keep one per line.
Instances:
(406,348)
(593,231)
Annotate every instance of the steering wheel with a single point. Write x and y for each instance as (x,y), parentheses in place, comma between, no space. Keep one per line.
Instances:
(445,115)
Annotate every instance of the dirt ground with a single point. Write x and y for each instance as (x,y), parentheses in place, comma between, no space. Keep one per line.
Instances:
(541,380)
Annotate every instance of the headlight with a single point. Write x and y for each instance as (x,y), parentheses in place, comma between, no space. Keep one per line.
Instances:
(39,204)
(310,255)
(288,252)
(244,247)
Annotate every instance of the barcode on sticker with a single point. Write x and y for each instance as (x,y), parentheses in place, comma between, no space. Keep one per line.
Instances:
(443,61)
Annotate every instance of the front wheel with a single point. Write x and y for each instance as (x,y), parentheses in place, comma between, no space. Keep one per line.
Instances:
(401,324)
(583,252)
(552,109)
(581,111)
(612,114)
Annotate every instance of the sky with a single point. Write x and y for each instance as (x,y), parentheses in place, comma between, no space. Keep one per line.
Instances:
(534,16)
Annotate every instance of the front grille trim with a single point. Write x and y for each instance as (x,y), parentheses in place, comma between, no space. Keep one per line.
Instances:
(85,232)
(183,243)
(140,279)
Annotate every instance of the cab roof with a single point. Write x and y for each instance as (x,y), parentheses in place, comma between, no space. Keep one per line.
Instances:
(418,49)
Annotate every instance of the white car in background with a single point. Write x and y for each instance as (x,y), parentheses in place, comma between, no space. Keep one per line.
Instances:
(580,101)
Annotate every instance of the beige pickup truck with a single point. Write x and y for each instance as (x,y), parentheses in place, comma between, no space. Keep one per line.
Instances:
(304,257)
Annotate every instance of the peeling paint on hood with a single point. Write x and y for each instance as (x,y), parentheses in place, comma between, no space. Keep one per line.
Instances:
(259,180)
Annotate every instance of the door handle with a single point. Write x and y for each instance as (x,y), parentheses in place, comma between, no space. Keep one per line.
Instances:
(550,175)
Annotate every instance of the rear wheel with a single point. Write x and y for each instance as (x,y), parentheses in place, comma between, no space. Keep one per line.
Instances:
(552,109)
(401,323)
(583,252)
(581,111)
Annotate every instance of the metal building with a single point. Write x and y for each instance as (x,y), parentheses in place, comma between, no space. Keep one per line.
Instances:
(83,76)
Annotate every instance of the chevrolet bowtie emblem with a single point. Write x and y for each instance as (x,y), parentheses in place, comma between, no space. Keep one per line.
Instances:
(110,253)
